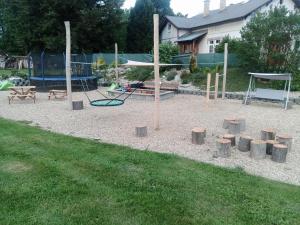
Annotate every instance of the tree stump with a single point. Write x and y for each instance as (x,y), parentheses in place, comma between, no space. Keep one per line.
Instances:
(227,121)
(286,140)
(245,143)
(234,127)
(77,105)
(198,136)
(141,131)
(258,149)
(224,148)
(270,144)
(268,134)
(230,137)
(279,153)
(242,122)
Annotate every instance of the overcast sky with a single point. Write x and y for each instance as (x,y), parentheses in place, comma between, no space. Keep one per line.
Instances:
(190,7)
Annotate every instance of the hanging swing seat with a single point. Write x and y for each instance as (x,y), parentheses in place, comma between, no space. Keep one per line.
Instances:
(107,102)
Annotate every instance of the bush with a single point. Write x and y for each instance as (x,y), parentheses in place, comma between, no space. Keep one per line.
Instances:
(185,77)
(140,74)
(171,75)
(167,51)
(193,64)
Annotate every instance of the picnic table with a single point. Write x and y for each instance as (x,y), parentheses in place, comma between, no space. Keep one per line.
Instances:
(57,94)
(22,93)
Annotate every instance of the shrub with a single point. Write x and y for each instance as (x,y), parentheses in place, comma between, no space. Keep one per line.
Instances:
(140,74)
(171,75)
(193,64)
(185,77)
(167,51)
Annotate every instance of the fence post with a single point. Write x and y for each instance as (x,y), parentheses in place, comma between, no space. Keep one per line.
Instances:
(68,64)
(156,71)
(225,70)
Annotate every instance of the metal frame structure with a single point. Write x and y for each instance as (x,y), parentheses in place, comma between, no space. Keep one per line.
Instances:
(271,94)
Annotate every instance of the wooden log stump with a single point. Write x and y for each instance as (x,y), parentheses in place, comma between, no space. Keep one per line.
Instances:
(230,137)
(279,153)
(245,143)
(286,140)
(270,144)
(141,131)
(268,134)
(224,148)
(227,121)
(258,149)
(77,105)
(242,122)
(234,127)
(198,136)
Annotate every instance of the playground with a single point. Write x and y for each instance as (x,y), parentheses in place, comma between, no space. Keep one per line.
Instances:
(179,115)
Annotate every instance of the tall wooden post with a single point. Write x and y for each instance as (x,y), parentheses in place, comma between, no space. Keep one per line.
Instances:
(217,86)
(225,70)
(116,63)
(156,71)
(208,87)
(68,64)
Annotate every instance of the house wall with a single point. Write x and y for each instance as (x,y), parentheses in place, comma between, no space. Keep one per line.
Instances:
(171,33)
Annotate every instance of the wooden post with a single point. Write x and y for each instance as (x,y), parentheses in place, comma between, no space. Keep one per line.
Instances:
(156,71)
(227,121)
(68,64)
(116,63)
(225,70)
(286,140)
(279,153)
(234,127)
(141,131)
(268,134)
(208,87)
(224,148)
(217,85)
(198,136)
(258,149)
(245,143)
(231,138)
(270,144)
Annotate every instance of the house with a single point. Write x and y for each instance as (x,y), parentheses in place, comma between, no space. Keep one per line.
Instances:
(202,33)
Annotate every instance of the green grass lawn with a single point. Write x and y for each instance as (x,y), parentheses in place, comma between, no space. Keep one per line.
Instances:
(47,178)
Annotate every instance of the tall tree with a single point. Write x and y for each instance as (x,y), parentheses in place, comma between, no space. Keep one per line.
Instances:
(140,25)
(38,24)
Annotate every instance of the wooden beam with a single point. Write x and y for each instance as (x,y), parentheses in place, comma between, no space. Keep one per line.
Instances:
(225,70)
(116,63)
(156,72)
(68,64)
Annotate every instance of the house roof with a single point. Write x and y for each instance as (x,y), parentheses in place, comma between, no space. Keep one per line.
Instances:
(191,36)
(230,13)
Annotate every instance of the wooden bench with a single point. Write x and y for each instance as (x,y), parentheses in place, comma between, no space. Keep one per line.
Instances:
(57,94)
(31,95)
(172,86)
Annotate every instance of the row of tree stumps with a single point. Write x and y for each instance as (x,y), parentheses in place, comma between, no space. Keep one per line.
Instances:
(269,143)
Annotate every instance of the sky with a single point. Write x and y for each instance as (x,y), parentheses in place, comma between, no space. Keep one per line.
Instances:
(190,7)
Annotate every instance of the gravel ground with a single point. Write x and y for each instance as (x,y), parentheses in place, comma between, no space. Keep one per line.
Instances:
(178,116)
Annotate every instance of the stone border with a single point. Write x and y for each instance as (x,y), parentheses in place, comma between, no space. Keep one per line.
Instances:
(228,95)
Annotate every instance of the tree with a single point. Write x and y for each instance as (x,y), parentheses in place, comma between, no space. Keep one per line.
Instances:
(233,45)
(140,24)
(36,25)
(268,40)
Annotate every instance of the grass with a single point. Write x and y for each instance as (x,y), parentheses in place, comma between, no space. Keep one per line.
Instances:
(47,178)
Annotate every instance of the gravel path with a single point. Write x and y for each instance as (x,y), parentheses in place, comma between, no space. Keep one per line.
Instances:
(178,116)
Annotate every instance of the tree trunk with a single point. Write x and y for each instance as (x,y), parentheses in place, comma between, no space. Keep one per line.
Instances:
(245,143)
(77,105)
(198,136)
(258,149)
(231,138)
(286,140)
(227,121)
(234,127)
(268,134)
(141,131)
(224,148)
(279,153)
(242,122)
(270,144)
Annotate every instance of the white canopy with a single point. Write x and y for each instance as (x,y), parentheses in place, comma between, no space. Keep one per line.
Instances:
(272,76)
(136,63)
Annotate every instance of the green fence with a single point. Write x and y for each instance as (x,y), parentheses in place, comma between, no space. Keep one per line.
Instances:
(109,58)
(207,60)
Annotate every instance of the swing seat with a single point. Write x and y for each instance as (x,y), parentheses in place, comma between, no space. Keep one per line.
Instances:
(107,102)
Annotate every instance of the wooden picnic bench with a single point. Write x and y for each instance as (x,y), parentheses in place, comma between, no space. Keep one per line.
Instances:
(22,93)
(170,86)
(57,94)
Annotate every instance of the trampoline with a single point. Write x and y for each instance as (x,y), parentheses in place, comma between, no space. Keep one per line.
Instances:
(47,71)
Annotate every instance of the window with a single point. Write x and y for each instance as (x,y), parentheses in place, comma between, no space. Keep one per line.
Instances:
(169,27)
(213,44)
